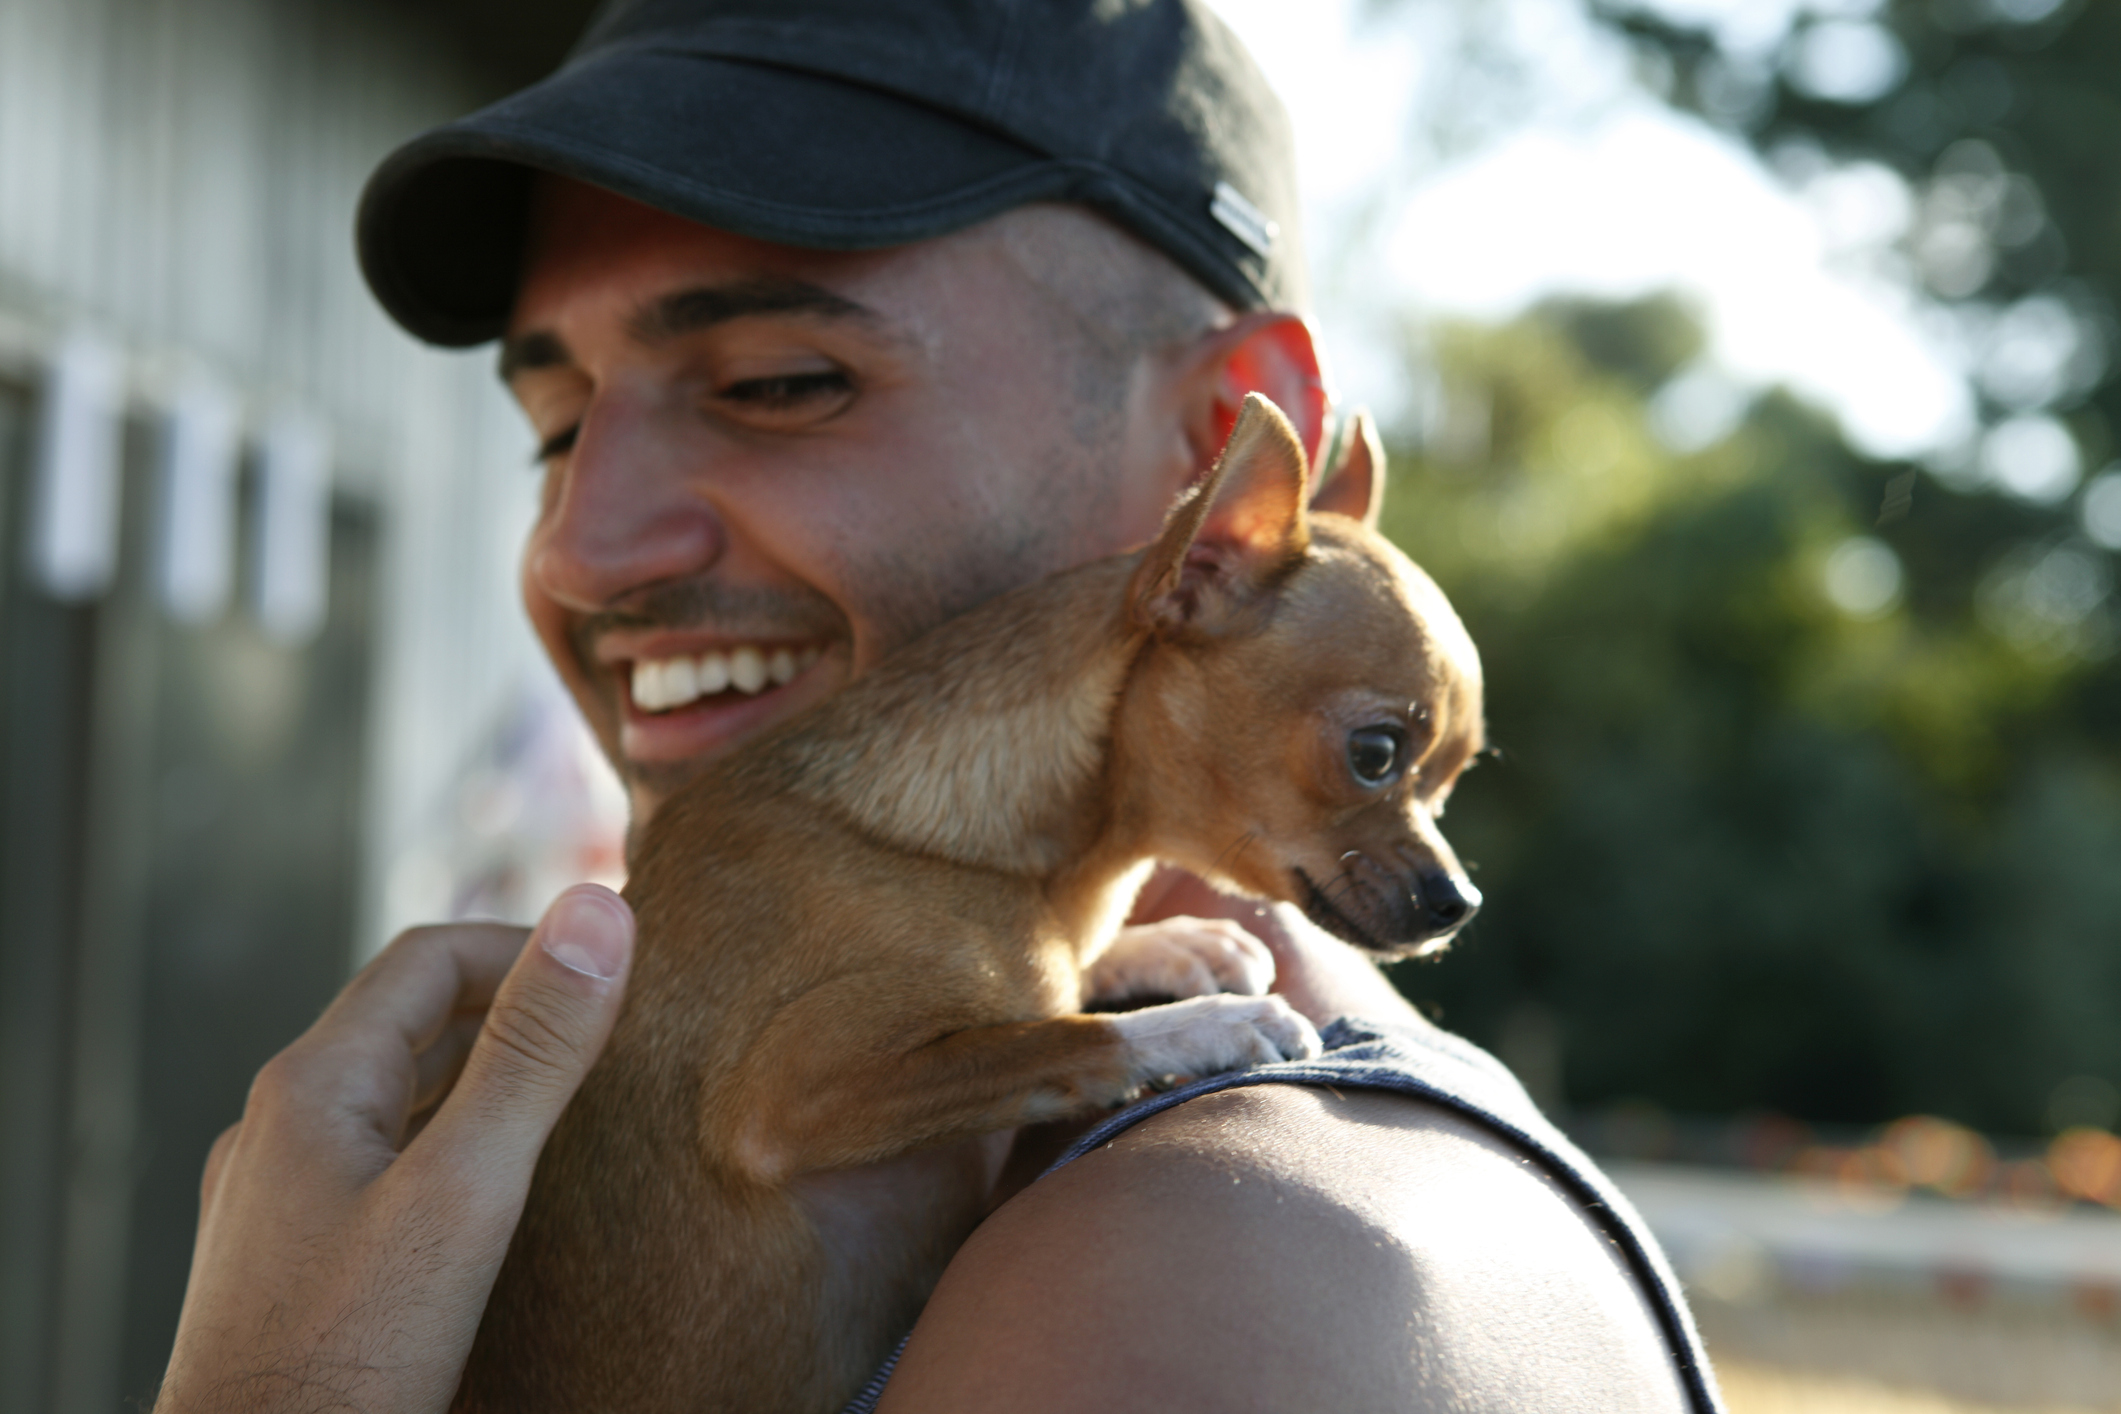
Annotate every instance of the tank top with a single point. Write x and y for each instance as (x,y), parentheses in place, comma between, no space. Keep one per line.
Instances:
(1432,1064)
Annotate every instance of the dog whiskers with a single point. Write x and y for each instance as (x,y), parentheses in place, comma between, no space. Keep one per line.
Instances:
(1236,847)
(1320,909)
(1342,881)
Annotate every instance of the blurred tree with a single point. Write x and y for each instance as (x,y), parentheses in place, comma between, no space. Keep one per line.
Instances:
(2002,114)
(1796,805)
(1987,134)
(2002,120)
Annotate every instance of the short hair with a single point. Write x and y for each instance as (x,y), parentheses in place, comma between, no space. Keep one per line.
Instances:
(1117,299)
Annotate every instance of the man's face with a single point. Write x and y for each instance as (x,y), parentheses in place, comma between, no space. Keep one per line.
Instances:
(760,458)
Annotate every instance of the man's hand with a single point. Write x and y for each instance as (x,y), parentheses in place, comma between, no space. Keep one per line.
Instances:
(351,1225)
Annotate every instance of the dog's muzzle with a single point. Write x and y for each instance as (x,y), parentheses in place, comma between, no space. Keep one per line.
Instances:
(1382,911)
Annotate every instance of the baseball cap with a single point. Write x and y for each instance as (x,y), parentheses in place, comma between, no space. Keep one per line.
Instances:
(854,125)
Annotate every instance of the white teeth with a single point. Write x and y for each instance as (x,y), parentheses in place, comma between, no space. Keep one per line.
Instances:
(659,684)
(747,669)
(681,681)
(648,686)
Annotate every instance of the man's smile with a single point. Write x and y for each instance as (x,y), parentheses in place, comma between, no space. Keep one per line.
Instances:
(665,684)
(682,697)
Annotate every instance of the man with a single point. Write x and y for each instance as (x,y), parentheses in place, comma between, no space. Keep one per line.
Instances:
(832,319)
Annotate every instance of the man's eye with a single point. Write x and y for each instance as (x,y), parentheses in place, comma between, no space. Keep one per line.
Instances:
(557,444)
(788,390)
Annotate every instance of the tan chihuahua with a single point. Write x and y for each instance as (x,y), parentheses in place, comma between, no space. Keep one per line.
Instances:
(868,934)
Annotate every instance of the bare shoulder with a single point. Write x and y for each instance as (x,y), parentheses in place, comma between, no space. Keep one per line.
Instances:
(1281,1247)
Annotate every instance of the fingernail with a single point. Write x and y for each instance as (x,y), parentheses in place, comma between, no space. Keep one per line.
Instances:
(588,931)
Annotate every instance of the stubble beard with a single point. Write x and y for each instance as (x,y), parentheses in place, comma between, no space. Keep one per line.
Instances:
(902,591)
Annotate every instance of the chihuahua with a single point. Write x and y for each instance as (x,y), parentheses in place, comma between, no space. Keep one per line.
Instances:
(863,941)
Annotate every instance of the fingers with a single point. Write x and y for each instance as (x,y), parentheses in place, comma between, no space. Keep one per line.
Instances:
(347,1085)
(357,1069)
(424,977)
(548,1022)
(318,1235)
(437,1067)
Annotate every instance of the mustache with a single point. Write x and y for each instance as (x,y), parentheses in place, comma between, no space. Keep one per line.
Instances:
(741,612)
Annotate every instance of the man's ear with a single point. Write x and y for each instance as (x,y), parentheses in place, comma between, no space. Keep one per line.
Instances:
(1355,485)
(1233,535)
(1263,352)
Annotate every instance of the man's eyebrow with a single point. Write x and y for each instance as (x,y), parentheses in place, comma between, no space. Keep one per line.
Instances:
(690,311)
(537,349)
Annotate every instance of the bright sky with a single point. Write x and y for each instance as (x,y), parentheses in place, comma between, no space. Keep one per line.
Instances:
(1593,187)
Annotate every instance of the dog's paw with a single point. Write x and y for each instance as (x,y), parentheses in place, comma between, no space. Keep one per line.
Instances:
(1181,957)
(1208,1035)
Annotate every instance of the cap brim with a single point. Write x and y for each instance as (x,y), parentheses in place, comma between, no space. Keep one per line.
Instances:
(766,152)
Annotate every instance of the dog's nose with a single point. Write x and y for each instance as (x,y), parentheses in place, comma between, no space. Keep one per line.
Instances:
(1450,901)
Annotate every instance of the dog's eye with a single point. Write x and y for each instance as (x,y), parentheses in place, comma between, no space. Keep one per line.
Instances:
(1377,755)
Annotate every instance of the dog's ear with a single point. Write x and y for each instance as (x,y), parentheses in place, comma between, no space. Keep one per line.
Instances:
(1355,485)
(1231,536)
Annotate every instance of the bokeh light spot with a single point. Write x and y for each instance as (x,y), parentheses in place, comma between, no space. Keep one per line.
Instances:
(2101,510)
(1939,1154)
(1846,61)
(2086,1163)
(2033,458)
(1698,409)
(2024,12)
(1862,577)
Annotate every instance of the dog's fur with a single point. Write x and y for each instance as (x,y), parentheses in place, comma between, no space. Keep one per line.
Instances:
(867,934)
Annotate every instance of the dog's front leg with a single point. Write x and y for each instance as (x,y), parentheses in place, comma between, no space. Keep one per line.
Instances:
(792,1115)
(1179,957)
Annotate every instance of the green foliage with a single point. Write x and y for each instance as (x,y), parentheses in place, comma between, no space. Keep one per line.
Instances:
(1749,848)
(2002,120)
(2036,83)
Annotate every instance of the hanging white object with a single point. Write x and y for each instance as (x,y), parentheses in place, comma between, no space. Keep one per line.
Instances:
(73,522)
(291,538)
(196,533)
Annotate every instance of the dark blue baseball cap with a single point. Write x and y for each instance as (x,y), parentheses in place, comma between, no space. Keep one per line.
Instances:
(854,125)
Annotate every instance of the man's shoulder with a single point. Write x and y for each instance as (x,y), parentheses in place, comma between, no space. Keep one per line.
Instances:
(1278,1247)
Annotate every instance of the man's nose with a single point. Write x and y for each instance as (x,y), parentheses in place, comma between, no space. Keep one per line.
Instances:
(626,509)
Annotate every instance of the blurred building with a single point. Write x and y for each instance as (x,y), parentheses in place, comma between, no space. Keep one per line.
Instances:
(266,694)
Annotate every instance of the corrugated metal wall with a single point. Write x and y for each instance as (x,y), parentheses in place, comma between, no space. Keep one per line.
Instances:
(185,171)
(182,175)
(179,178)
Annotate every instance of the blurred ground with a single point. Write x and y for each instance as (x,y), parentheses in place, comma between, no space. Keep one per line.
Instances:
(1752,1389)
(1813,1294)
